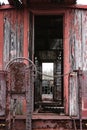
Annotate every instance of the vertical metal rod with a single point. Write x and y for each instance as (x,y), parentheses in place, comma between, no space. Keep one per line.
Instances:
(28,102)
(80,97)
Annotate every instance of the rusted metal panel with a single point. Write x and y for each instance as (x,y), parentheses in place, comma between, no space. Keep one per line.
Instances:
(17,72)
(79,74)
(18,94)
(2,92)
(13,35)
(52,124)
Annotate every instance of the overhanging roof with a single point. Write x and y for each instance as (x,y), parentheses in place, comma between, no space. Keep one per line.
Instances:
(26,2)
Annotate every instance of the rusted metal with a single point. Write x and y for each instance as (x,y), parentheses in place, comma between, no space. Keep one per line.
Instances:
(17,71)
(28,103)
(16,77)
(20,72)
(77,40)
(80,96)
(52,124)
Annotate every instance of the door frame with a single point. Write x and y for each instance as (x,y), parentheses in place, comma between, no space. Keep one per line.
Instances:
(66,64)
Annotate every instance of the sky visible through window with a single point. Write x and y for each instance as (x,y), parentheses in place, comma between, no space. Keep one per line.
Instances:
(4,1)
(84,2)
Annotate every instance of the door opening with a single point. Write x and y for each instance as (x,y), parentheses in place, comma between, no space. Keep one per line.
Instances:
(48,43)
(47,81)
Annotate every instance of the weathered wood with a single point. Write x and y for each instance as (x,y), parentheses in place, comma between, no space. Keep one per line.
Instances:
(73,94)
(8,101)
(78,45)
(84,40)
(7,32)
(2,92)
(13,35)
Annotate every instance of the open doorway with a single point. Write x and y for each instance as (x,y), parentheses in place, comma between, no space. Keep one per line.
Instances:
(47,81)
(48,47)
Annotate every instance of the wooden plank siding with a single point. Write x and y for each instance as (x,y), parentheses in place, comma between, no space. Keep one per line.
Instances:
(77,39)
(78,53)
(1,38)
(73,95)
(13,34)
(16,40)
(2,93)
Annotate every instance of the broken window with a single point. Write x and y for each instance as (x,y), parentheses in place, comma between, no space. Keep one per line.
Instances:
(49,61)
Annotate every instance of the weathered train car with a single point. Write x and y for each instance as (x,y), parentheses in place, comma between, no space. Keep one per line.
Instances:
(43,65)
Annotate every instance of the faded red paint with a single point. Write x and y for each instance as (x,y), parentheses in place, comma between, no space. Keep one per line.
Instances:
(43,121)
(84,107)
(26,33)
(66,60)
(1,38)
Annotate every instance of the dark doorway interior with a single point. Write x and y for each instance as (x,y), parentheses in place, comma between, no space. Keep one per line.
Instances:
(48,45)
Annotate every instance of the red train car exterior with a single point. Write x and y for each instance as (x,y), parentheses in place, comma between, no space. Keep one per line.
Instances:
(36,32)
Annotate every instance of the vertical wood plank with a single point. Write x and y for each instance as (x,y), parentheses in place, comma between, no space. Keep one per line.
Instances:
(13,34)
(66,59)
(1,38)
(73,95)
(26,33)
(2,93)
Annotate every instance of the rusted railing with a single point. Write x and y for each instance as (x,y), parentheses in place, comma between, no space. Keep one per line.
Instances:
(20,73)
